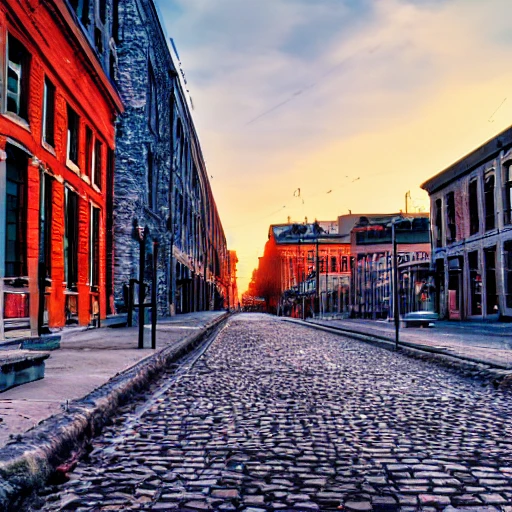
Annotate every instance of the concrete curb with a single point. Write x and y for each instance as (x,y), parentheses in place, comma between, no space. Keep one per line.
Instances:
(499,375)
(27,463)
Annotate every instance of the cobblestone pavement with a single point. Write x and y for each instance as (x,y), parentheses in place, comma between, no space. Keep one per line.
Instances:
(276,416)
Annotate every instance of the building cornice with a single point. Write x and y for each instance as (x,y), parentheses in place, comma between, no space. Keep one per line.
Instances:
(466,164)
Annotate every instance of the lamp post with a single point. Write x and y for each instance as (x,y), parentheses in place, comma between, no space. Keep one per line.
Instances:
(141,235)
(396,307)
(317,281)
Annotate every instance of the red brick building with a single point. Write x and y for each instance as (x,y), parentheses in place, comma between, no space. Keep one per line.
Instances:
(287,275)
(57,113)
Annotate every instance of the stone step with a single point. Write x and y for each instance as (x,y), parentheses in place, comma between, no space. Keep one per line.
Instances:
(20,366)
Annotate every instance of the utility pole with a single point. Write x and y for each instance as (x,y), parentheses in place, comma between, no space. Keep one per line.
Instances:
(327,281)
(317,281)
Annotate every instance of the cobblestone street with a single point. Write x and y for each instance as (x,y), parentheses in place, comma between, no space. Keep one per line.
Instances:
(276,416)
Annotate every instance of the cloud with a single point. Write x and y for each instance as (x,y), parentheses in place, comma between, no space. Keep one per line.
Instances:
(388,90)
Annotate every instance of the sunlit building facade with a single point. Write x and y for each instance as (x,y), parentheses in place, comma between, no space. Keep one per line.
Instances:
(471,205)
(58,106)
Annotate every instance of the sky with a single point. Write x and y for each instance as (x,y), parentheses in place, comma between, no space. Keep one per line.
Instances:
(354,102)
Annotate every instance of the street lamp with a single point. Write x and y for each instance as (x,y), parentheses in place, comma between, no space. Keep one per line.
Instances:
(396,312)
(317,281)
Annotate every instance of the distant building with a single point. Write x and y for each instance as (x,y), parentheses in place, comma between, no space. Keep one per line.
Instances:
(234,301)
(58,106)
(471,218)
(305,268)
(372,264)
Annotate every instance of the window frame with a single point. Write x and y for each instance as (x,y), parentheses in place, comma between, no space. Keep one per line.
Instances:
(94,245)
(474,213)
(48,114)
(97,164)
(21,96)
(70,246)
(490,197)
(438,222)
(73,146)
(451,225)
(21,215)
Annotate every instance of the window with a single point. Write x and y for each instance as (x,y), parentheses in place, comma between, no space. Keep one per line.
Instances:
(81,8)
(451,230)
(71,238)
(112,65)
(15,228)
(474,221)
(179,142)
(151,182)
(334,266)
(89,152)
(73,124)
(438,235)
(115,21)
(94,247)
(475,283)
(152,102)
(45,222)
(102,7)
(344,263)
(49,112)
(17,77)
(489,183)
(97,164)
(507,260)
(98,40)
(490,280)
(507,200)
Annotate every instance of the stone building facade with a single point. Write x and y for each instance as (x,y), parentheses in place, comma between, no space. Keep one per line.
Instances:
(372,264)
(471,218)
(161,181)
(57,114)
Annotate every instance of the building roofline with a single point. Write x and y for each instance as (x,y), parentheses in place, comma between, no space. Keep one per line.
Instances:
(467,163)
(106,85)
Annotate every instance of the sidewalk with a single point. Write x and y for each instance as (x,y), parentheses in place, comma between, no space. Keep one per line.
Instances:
(489,343)
(87,360)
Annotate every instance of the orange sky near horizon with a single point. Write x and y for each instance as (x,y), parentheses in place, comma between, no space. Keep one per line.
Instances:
(353,105)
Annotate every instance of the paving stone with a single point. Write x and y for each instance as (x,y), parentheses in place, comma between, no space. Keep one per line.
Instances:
(493,499)
(226,493)
(358,506)
(431,499)
(276,416)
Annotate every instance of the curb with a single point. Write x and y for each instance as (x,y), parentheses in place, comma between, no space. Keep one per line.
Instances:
(26,463)
(499,375)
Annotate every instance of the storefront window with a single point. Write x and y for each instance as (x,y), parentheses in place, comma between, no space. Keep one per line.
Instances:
(15,229)
(475,283)
(490,280)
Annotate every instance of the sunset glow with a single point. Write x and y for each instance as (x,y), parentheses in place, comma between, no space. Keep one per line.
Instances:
(355,103)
